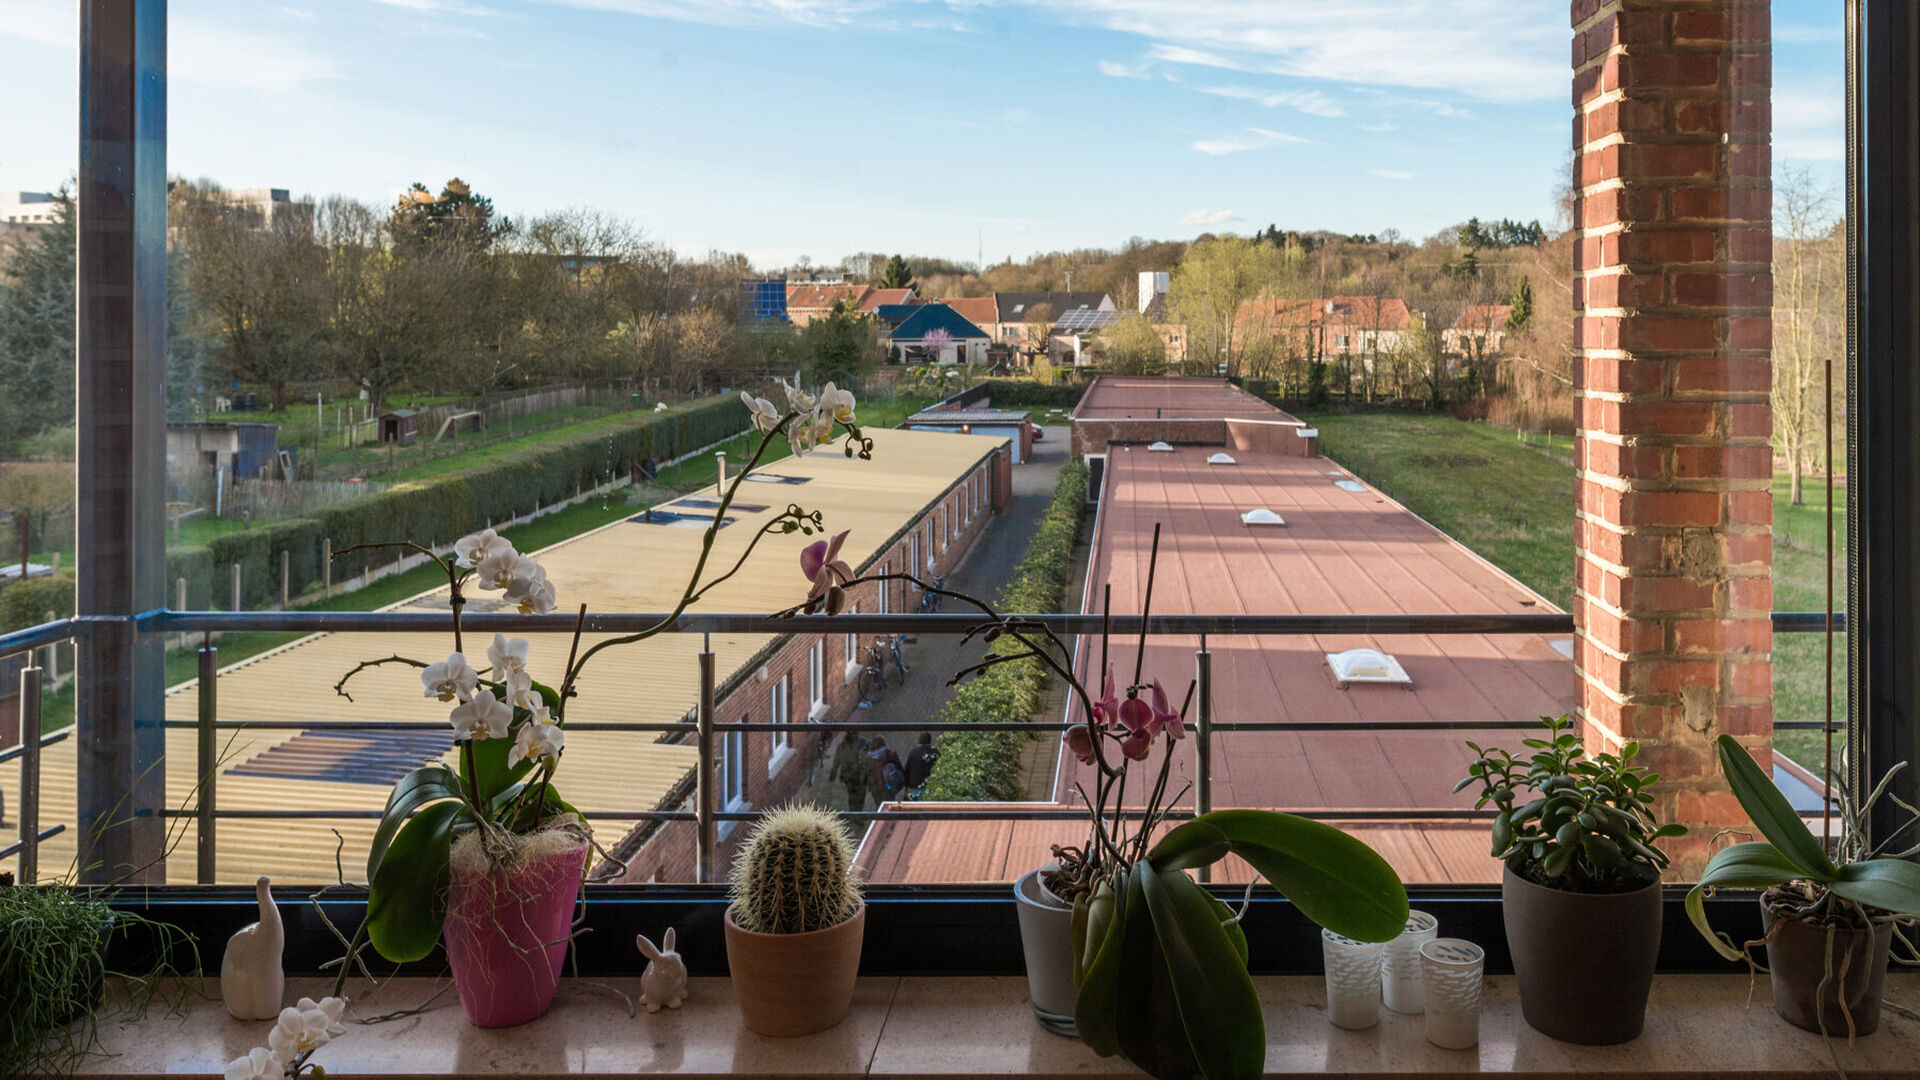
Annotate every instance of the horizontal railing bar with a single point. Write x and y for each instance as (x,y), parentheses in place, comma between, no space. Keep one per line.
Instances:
(864,623)
(877,725)
(46,740)
(985,814)
(45,834)
(34,637)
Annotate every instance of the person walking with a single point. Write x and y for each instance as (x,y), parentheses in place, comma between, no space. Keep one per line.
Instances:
(886,776)
(920,762)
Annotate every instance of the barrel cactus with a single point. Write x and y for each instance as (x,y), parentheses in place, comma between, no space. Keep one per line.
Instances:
(795,873)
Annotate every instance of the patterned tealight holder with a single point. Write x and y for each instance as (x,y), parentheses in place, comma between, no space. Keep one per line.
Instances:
(1453,970)
(1353,980)
(1402,985)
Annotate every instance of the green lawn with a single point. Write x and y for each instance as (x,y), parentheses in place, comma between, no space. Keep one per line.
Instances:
(1512,502)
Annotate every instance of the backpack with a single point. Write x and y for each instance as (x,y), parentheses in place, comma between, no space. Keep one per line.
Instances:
(891,777)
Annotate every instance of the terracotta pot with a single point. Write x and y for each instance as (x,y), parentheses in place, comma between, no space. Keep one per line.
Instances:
(1046,939)
(506,936)
(1797,964)
(795,984)
(1584,961)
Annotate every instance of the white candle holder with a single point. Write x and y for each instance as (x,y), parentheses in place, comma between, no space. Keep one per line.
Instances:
(1402,984)
(1353,980)
(1453,969)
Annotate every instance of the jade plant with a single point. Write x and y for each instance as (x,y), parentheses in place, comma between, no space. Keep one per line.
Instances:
(1866,884)
(795,874)
(1568,821)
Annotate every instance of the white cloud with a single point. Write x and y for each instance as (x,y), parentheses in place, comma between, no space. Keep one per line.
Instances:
(439,7)
(1809,120)
(1804,34)
(1306,101)
(1015,116)
(1206,219)
(1254,139)
(744,12)
(1382,127)
(49,22)
(1392,174)
(198,51)
(1119,70)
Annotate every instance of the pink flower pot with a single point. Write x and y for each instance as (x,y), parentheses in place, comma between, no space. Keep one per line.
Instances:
(506,936)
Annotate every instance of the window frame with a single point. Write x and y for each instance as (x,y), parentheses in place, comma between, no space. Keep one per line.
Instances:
(779,711)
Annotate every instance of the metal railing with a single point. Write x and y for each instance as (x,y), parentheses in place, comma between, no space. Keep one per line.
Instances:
(700,723)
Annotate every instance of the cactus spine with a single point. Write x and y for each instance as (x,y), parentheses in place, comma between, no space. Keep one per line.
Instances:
(795,874)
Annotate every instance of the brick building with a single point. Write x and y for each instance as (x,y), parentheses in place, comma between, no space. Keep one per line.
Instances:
(1140,410)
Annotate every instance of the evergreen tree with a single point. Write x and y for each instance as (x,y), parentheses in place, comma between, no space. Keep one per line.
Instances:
(898,275)
(839,348)
(456,213)
(1522,302)
(37,330)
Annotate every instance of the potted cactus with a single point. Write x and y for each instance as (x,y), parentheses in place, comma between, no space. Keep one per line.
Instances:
(796,923)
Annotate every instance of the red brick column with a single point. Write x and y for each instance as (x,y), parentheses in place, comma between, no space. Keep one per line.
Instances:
(1672,302)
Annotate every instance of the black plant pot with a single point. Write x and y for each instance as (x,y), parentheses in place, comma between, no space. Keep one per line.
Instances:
(1584,961)
(1797,965)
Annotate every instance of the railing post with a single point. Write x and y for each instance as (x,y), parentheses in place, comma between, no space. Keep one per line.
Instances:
(29,776)
(206,763)
(286,576)
(326,566)
(1203,737)
(238,598)
(703,788)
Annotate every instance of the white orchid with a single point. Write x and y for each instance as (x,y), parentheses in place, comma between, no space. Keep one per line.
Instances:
(534,594)
(536,740)
(259,1064)
(520,692)
(797,399)
(837,403)
(451,678)
(306,1026)
(766,416)
(474,549)
(485,717)
(507,655)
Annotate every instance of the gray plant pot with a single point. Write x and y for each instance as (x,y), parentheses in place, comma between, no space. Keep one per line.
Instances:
(1584,961)
(1797,965)
(1046,938)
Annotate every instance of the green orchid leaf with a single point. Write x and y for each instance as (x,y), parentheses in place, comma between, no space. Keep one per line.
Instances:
(1096,1010)
(416,789)
(1077,934)
(1218,1006)
(1772,814)
(493,775)
(1194,843)
(407,902)
(1888,884)
(1752,865)
(1334,879)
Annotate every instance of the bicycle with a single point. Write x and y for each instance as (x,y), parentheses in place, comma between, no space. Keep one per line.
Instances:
(929,599)
(896,644)
(873,677)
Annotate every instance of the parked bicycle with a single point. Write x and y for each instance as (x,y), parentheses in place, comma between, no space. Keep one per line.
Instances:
(873,677)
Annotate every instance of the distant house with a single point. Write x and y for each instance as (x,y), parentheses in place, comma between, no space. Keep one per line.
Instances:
(876,298)
(808,302)
(237,450)
(1338,326)
(892,315)
(1481,330)
(966,343)
(1021,318)
(1073,334)
(1156,305)
(763,301)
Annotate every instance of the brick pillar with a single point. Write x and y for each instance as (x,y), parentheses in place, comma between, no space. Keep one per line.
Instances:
(1672,303)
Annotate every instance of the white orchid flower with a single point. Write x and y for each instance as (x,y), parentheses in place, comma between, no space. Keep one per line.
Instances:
(451,678)
(507,655)
(534,594)
(800,436)
(837,403)
(766,416)
(474,549)
(485,717)
(799,400)
(259,1064)
(520,691)
(536,740)
(305,1027)
(498,570)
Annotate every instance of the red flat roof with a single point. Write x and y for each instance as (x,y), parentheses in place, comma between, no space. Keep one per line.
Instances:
(1340,552)
(1117,397)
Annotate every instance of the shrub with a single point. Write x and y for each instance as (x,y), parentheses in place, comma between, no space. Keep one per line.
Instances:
(26,603)
(985,766)
(1014,393)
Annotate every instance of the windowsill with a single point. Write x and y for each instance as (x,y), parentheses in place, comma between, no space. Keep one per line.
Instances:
(778,760)
(1698,1025)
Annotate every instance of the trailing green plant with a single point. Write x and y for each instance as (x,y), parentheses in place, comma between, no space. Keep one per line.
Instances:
(55,946)
(985,766)
(795,874)
(1866,883)
(1568,821)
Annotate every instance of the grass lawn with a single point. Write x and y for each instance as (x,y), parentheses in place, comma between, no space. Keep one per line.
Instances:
(1513,503)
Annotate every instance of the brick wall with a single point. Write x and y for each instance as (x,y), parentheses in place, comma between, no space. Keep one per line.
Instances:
(1672,298)
(946,532)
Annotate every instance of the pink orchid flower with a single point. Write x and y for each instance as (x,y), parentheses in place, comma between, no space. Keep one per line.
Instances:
(1080,743)
(1137,716)
(1106,711)
(821,563)
(1164,715)
(1137,745)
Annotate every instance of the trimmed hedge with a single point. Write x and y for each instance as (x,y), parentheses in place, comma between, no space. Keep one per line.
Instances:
(433,512)
(26,603)
(1005,393)
(985,766)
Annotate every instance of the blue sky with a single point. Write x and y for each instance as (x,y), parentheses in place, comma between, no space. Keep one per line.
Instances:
(819,127)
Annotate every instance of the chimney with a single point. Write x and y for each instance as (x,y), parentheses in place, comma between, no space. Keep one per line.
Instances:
(1153,283)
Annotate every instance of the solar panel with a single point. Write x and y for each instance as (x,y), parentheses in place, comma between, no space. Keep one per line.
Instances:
(1087,319)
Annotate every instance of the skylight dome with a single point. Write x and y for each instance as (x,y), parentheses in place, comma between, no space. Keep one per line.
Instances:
(1262,516)
(1159,446)
(1222,459)
(1366,666)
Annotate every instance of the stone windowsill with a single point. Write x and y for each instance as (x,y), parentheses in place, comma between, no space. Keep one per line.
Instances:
(1699,1025)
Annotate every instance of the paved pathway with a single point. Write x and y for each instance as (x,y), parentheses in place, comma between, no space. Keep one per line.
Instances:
(932,660)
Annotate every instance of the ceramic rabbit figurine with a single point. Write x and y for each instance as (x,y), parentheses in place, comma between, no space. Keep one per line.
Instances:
(251,980)
(664,983)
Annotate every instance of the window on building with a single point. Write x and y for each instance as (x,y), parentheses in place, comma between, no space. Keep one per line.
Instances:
(816,676)
(733,776)
(779,700)
(850,650)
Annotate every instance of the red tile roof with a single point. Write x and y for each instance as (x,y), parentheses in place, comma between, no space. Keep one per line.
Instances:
(978,310)
(876,297)
(1484,317)
(823,297)
(1116,397)
(1360,312)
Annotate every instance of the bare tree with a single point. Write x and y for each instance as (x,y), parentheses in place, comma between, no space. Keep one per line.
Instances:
(1808,320)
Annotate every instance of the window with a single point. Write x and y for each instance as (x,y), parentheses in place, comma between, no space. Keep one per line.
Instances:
(733,775)
(913,553)
(850,650)
(817,678)
(886,589)
(779,698)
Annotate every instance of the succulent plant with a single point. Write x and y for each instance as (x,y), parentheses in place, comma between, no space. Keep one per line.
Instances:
(795,873)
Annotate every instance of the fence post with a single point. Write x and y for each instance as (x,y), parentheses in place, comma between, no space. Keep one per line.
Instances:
(236,586)
(326,566)
(29,776)
(286,576)
(1203,737)
(206,763)
(53,658)
(703,788)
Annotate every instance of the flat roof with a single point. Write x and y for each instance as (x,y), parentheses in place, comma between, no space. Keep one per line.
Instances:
(1341,551)
(970,416)
(624,566)
(1143,397)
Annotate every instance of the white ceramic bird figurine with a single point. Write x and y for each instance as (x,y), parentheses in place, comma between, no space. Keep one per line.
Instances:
(664,983)
(251,980)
